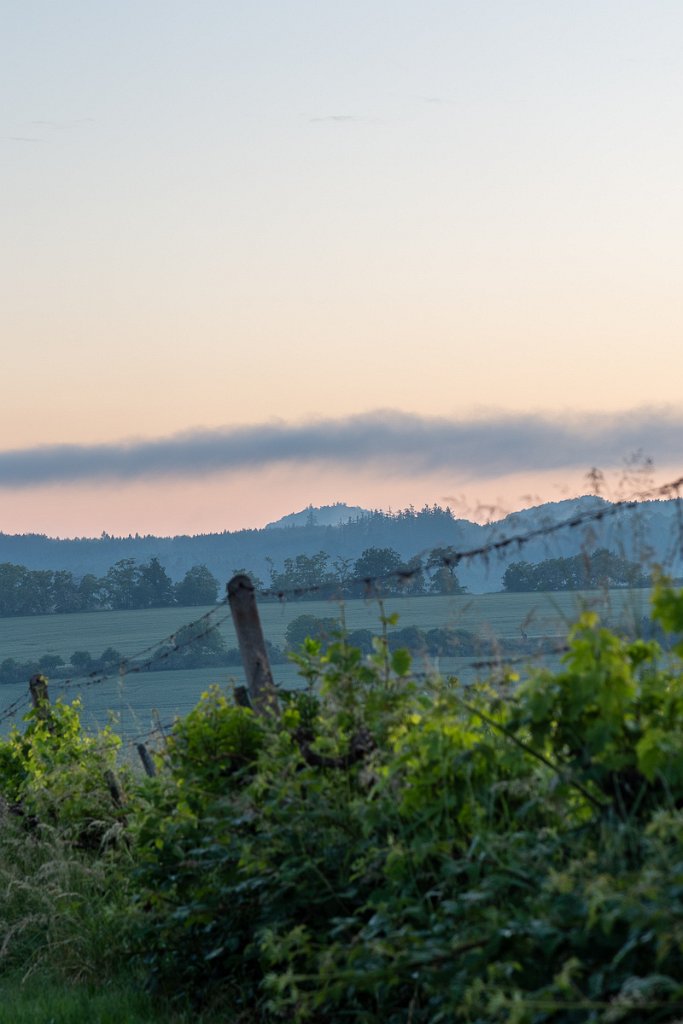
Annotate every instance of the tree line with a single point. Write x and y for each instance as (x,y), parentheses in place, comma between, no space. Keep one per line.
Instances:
(130,585)
(194,647)
(127,585)
(438,642)
(593,571)
(383,568)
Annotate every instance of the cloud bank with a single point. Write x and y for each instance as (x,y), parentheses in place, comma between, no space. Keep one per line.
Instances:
(385,442)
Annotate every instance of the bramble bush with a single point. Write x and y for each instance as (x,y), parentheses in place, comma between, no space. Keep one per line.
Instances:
(394,852)
(386,852)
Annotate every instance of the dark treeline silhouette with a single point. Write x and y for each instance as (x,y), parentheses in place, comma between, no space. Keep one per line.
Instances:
(600,569)
(130,585)
(126,585)
(382,568)
(194,646)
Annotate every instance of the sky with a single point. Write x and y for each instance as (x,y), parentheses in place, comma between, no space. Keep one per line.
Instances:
(260,255)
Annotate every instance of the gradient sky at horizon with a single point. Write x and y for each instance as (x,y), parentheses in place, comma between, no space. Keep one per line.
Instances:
(224,215)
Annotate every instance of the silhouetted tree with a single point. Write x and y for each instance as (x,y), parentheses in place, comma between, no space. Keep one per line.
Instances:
(197,587)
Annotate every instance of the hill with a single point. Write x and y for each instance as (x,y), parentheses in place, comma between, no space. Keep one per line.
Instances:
(325,515)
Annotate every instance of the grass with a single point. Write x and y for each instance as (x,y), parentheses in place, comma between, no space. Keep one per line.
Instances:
(64,936)
(490,614)
(41,1001)
(54,1003)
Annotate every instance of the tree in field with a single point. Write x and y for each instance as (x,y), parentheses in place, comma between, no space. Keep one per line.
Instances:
(65,596)
(410,577)
(11,580)
(198,587)
(36,592)
(24,591)
(443,578)
(120,584)
(304,626)
(12,671)
(377,566)
(110,659)
(302,572)
(90,593)
(519,577)
(49,662)
(602,568)
(82,662)
(375,562)
(343,570)
(154,587)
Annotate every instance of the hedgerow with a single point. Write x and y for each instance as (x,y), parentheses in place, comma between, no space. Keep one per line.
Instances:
(390,851)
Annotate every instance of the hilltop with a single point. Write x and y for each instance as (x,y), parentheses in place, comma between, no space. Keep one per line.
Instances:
(324,515)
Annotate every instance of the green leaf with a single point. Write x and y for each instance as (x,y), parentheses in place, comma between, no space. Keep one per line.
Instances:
(401,662)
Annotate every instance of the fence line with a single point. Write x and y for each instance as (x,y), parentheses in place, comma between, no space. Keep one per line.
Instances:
(131,665)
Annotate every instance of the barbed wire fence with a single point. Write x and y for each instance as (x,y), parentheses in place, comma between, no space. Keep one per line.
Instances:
(142,660)
(156,653)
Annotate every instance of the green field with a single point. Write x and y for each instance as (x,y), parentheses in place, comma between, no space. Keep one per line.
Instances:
(136,698)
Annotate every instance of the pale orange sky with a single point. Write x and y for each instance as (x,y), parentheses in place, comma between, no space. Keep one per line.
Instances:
(222,214)
(215,504)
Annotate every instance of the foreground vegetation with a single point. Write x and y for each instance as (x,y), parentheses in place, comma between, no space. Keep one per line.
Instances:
(380,851)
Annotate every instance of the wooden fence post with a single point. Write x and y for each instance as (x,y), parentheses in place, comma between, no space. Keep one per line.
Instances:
(147,762)
(40,698)
(114,788)
(260,685)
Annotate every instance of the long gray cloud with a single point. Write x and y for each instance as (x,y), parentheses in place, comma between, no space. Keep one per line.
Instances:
(385,441)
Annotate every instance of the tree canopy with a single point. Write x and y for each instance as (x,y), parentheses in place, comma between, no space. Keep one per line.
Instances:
(602,568)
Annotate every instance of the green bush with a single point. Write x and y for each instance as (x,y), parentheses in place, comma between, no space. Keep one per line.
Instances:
(384,853)
(64,856)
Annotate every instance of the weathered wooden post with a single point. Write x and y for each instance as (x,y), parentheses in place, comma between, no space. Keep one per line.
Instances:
(40,698)
(146,758)
(38,688)
(260,685)
(114,787)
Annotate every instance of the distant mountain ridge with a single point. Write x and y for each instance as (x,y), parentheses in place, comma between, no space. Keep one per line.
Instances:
(650,531)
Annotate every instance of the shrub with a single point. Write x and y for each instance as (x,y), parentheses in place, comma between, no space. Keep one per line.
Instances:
(63,888)
(383,853)
(304,626)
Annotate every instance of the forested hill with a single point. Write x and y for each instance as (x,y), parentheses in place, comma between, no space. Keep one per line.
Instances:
(649,530)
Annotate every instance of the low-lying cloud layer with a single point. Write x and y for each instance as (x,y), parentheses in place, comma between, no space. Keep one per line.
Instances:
(386,442)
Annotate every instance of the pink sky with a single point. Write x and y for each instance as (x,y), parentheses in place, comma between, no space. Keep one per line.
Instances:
(216,504)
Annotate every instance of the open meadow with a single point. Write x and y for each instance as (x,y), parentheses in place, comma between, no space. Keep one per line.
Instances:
(138,700)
